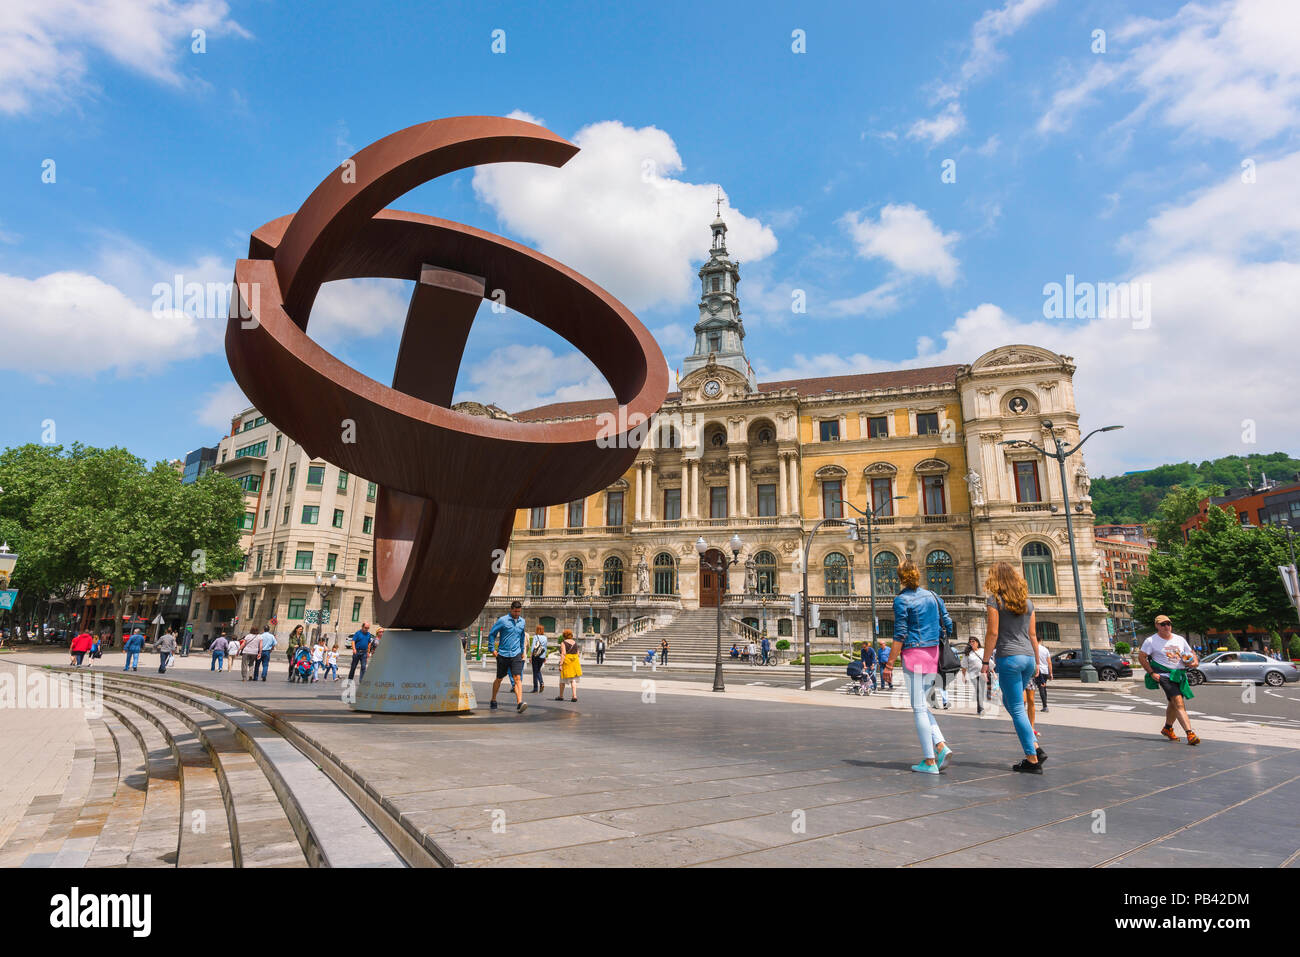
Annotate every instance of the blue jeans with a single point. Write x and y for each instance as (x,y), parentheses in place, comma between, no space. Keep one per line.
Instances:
(218,661)
(132,660)
(1015,673)
(265,659)
(919,689)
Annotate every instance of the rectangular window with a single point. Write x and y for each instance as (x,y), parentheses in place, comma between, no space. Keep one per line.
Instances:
(717,284)
(356,609)
(246,523)
(927,423)
(537,517)
(343,481)
(297,608)
(878,427)
(250,483)
(1027,482)
(371,489)
(614,508)
(575,513)
(270,482)
(252,607)
(718,501)
(331,561)
(882,497)
(315,476)
(362,565)
(277,442)
(766,501)
(266,517)
(258,449)
(338,518)
(830,430)
(310,514)
(715,343)
(259,559)
(367,524)
(672,504)
(279,557)
(285,520)
(934,503)
(302,561)
(293,470)
(832,500)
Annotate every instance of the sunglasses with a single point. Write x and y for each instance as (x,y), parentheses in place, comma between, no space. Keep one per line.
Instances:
(1165,624)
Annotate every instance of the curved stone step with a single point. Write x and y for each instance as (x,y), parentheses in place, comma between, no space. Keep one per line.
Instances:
(116,838)
(81,839)
(50,818)
(204,834)
(262,833)
(157,840)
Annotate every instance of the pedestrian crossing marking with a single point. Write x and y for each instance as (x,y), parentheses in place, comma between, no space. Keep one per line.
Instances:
(1119,707)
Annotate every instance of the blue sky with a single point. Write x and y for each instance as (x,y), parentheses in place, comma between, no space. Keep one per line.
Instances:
(1168,160)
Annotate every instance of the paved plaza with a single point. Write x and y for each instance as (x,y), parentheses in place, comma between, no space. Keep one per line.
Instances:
(644,771)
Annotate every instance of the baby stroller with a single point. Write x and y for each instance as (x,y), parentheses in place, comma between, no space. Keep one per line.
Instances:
(861,684)
(649,657)
(302,668)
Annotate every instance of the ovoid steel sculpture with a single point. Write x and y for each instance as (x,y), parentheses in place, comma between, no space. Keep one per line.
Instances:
(449,484)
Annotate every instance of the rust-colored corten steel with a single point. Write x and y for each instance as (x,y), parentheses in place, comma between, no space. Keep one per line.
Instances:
(449,483)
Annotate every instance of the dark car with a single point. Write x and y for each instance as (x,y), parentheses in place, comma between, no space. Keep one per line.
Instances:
(1110,665)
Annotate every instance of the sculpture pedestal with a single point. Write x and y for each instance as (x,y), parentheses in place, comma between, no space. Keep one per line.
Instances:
(416,671)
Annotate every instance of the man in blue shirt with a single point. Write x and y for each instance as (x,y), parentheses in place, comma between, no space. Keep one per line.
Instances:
(767,647)
(133,647)
(267,639)
(360,650)
(507,636)
(869,663)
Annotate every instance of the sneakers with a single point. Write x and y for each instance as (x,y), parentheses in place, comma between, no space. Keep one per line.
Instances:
(1042,755)
(523,706)
(1192,738)
(492,705)
(926,768)
(942,755)
(1168,732)
(1027,767)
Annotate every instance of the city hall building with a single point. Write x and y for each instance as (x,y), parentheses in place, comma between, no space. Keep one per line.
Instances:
(767,461)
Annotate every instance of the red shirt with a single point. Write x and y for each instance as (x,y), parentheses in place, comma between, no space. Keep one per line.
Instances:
(82,642)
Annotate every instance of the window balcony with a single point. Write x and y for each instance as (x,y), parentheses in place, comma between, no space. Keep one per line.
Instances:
(1032,507)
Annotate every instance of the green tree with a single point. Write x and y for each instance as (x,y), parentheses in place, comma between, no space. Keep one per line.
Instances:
(1180,504)
(1231,643)
(1295,647)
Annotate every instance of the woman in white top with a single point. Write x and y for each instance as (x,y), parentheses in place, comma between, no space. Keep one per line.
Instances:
(973,662)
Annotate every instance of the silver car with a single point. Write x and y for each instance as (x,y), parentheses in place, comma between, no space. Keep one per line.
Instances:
(1239,666)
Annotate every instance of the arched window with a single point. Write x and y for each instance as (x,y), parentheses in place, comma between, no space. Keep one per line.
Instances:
(1036,559)
(573,577)
(752,622)
(938,573)
(613,584)
(665,574)
(668,438)
(836,567)
(535,577)
(1047,631)
(886,574)
(765,573)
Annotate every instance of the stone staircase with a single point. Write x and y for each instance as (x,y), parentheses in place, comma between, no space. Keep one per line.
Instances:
(178,778)
(692,639)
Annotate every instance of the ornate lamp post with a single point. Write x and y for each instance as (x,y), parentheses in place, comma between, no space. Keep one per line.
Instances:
(720,569)
(323,588)
(1087,674)
(855,535)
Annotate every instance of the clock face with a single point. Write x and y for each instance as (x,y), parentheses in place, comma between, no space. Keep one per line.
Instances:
(712,388)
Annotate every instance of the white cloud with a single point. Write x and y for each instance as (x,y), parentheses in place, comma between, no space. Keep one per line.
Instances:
(360,308)
(44,44)
(218,406)
(948,122)
(874,302)
(518,377)
(74,322)
(618,214)
(905,237)
(1229,71)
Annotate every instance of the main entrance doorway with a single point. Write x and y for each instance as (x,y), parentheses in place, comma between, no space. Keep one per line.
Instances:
(711,582)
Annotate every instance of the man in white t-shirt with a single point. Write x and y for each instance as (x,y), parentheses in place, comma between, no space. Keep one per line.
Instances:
(1165,657)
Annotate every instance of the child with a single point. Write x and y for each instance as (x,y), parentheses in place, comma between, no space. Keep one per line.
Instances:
(332,661)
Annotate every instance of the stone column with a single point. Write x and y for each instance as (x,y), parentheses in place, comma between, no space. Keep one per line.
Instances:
(636,515)
(695,489)
(782,496)
(648,500)
(796,503)
(731,487)
(744,487)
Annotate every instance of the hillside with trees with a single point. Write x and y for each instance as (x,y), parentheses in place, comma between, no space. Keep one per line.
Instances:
(1137,497)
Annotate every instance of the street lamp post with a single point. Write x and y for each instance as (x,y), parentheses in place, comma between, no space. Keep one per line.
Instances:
(591,607)
(323,589)
(1087,673)
(720,569)
(871,515)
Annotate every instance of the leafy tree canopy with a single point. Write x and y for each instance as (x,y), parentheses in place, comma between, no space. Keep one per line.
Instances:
(1136,498)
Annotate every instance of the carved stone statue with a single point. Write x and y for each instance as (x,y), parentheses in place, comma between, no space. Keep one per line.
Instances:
(976,485)
(751,576)
(1083,481)
(642,577)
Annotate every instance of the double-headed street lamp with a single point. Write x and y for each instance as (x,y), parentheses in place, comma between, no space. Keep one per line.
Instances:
(323,589)
(1087,674)
(720,569)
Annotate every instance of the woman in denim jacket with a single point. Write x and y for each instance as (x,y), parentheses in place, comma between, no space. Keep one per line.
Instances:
(920,622)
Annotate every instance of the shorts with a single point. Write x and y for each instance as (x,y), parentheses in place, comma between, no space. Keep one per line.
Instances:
(1170,689)
(506,666)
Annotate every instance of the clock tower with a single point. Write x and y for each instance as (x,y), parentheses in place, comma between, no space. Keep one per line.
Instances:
(720,332)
